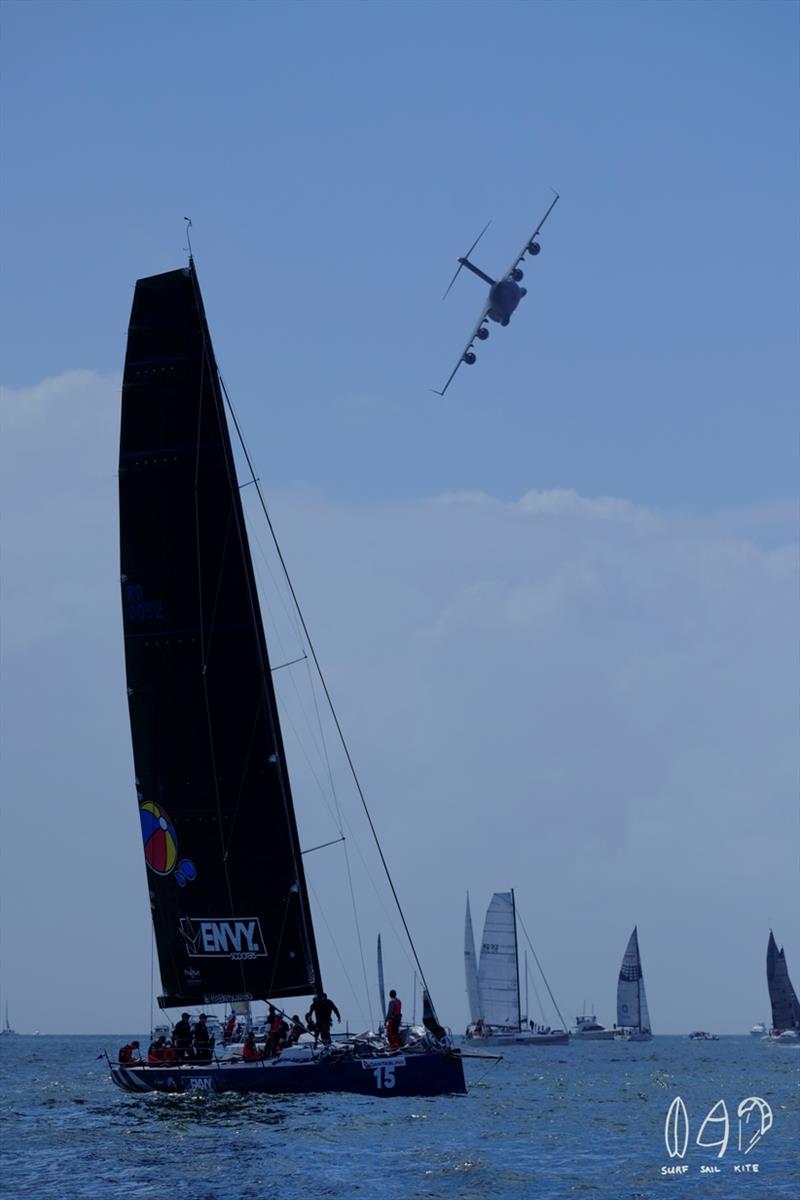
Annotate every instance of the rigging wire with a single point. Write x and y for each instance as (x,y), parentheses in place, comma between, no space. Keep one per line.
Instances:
(541,971)
(339,819)
(328,697)
(336,951)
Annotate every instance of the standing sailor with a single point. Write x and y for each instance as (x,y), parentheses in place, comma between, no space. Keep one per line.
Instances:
(203,1041)
(393,1018)
(319,1018)
(182,1037)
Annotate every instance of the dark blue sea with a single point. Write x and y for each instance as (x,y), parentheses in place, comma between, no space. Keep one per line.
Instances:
(584,1120)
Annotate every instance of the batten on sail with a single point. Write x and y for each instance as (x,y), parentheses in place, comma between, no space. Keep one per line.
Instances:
(224,869)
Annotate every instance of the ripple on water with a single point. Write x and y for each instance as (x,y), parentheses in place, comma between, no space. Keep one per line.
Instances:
(585,1124)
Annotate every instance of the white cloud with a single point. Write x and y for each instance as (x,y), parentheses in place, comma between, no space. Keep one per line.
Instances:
(587,700)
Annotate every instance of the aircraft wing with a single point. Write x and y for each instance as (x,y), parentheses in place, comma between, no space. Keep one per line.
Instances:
(524,249)
(466,349)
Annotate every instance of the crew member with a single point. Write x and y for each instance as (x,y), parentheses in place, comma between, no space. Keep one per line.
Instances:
(319,1018)
(393,1017)
(155,1052)
(129,1053)
(203,1041)
(182,1037)
(250,1052)
(296,1029)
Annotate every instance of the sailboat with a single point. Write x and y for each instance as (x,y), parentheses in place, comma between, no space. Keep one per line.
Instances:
(7,1031)
(227,887)
(633,1019)
(782,996)
(493,988)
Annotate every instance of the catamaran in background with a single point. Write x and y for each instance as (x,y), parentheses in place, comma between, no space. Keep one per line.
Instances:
(225,868)
(493,988)
(758,1030)
(782,997)
(633,1019)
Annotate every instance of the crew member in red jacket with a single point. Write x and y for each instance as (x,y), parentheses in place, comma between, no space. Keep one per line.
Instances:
(393,1017)
(129,1053)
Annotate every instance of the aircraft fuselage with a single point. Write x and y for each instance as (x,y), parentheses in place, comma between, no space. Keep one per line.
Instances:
(504,297)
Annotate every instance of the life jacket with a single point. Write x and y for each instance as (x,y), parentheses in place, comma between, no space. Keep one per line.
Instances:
(126,1054)
(154,1055)
(250,1053)
(394,1011)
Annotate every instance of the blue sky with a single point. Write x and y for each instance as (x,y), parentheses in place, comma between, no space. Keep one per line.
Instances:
(335,159)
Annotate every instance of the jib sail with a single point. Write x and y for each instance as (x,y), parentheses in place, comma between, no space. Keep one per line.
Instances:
(227,889)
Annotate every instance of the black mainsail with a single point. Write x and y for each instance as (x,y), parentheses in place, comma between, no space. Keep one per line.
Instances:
(225,875)
(782,996)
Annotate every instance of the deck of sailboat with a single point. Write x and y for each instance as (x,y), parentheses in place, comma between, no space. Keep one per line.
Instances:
(415,1073)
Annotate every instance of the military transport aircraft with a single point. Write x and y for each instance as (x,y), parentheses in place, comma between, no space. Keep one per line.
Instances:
(504,293)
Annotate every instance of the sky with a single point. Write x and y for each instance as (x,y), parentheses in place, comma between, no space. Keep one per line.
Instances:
(557,608)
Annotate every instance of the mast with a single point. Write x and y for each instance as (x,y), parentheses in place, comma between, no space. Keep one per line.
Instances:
(527,1006)
(516,959)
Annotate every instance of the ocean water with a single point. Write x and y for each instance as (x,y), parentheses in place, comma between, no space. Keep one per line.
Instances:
(584,1120)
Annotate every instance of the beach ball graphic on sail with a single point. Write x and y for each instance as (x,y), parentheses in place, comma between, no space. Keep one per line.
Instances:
(161,844)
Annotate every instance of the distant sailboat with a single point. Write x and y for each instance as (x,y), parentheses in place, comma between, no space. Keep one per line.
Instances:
(7,1031)
(782,996)
(493,989)
(633,1019)
(471,967)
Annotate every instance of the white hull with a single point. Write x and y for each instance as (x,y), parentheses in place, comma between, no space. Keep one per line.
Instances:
(554,1038)
(593,1035)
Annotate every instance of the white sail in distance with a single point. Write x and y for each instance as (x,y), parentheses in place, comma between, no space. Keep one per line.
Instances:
(631,1000)
(471,967)
(498,985)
